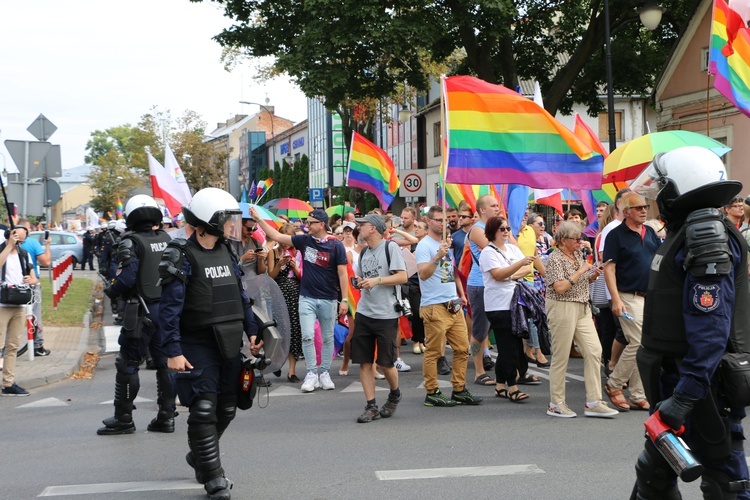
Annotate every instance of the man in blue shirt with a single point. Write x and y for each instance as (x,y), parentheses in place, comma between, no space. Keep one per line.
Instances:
(441,309)
(39,256)
(324,278)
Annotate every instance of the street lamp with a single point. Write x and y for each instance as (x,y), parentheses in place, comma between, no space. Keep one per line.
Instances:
(650,15)
(273,136)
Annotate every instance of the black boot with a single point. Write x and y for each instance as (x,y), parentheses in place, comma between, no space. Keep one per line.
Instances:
(126,389)
(218,488)
(164,421)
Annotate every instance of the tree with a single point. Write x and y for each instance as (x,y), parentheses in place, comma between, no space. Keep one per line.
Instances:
(119,155)
(348,51)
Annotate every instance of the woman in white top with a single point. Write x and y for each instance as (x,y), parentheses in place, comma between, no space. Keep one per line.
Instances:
(502,263)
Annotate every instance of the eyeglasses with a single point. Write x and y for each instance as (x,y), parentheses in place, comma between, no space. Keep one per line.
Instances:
(640,207)
(439,220)
(311,222)
(739,205)
(576,239)
(540,223)
(503,229)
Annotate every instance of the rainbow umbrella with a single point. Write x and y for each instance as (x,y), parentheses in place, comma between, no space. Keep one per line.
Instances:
(291,207)
(264,214)
(627,161)
(339,209)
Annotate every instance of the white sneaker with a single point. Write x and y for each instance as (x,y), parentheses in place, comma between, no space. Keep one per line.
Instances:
(600,409)
(560,410)
(416,349)
(310,383)
(401,366)
(325,382)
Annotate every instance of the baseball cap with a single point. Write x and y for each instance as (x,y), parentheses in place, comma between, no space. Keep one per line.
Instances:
(321,215)
(374,219)
(348,224)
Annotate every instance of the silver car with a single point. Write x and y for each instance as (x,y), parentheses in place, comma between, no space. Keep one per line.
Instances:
(61,243)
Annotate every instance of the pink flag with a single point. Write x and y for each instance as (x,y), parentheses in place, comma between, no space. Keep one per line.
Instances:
(165,186)
(170,163)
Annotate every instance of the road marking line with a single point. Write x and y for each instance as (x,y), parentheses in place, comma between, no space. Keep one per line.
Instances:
(42,403)
(137,399)
(131,487)
(357,387)
(497,470)
(285,391)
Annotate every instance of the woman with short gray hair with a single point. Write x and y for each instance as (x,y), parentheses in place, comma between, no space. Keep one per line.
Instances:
(569,318)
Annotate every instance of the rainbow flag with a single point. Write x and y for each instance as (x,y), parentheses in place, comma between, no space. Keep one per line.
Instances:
(729,55)
(370,168)
(352,294)
(119,208)
(496,135)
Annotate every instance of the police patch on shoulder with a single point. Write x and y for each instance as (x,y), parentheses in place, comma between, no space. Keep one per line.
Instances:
(706,297)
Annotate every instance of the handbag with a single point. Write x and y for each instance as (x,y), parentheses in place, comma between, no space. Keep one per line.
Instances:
(598,292)
(16,295)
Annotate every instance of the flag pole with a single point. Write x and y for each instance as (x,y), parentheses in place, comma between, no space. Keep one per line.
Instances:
(443,136)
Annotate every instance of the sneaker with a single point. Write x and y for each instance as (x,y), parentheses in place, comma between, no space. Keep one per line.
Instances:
(401,366)
(438,399)
(310,383)
(560,410)
(416,349)
(488,363)
(600,409)
(41,351)
(14,390)
(389,408)
(466,398)
(370,414)
(443,367)
(325,382)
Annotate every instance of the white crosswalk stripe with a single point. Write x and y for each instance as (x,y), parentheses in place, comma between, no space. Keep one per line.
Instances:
(498,470)
(43,403)
(131,487)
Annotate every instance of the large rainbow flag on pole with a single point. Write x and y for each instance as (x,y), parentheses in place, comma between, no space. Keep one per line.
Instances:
(730,55)
(370,168)
(496,135)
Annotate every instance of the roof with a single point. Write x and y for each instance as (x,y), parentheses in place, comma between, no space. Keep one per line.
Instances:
(75,174)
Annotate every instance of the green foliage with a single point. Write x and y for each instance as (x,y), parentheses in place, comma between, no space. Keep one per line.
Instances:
(119,155)
(349,51)
(288,181)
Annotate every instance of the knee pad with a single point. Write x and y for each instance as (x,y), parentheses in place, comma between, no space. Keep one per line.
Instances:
(122,365)
(226,409)
(715,485)
(653,473)
(203,410)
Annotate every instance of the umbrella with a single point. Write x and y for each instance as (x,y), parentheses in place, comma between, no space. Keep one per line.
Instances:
(291,207)
(264,214)
(339,209)
(629,160)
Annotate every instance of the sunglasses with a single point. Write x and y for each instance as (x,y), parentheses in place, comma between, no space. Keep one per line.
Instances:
(465,216)
(503,229)
(541,224)
(640,207)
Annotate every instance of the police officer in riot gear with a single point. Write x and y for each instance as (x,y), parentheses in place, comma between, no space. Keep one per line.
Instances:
(697,310)
(139,253)
(204,312)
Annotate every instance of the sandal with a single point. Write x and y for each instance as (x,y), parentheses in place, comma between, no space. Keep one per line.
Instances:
(618,400)
(517,397)
(529,379)
(484,379)
(641,405)
(501,393)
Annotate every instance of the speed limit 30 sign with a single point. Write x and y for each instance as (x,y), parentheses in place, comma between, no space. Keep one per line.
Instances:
(412,183)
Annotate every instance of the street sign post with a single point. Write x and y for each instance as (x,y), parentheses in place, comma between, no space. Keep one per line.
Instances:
(42,128)
(316,194)
(412,183)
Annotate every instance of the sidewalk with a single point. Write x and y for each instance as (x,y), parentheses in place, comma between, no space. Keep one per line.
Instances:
(68,346)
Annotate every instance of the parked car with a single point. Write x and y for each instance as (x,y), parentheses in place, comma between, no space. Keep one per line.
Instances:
(62,243)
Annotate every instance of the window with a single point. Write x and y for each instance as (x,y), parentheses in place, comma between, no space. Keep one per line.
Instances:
(604,126)
(704,59)
(70,240)
(437,143)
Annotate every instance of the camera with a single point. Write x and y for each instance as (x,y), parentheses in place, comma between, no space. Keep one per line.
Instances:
(402,306)
(354,282)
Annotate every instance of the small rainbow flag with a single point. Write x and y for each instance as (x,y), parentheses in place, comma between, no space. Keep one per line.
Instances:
(370,168)
(352,294)
(730,56)
(119,208)
(496,135)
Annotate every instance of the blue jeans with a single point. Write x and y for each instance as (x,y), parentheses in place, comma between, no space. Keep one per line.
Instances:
(533,340)
(324,311)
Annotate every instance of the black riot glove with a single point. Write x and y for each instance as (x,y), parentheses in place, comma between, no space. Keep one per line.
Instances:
(675,409)
(110,293)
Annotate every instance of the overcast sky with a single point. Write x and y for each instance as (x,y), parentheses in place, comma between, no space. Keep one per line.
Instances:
(93,64)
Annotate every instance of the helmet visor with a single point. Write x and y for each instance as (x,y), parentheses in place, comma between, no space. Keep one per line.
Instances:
(233,226)
(651,181)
